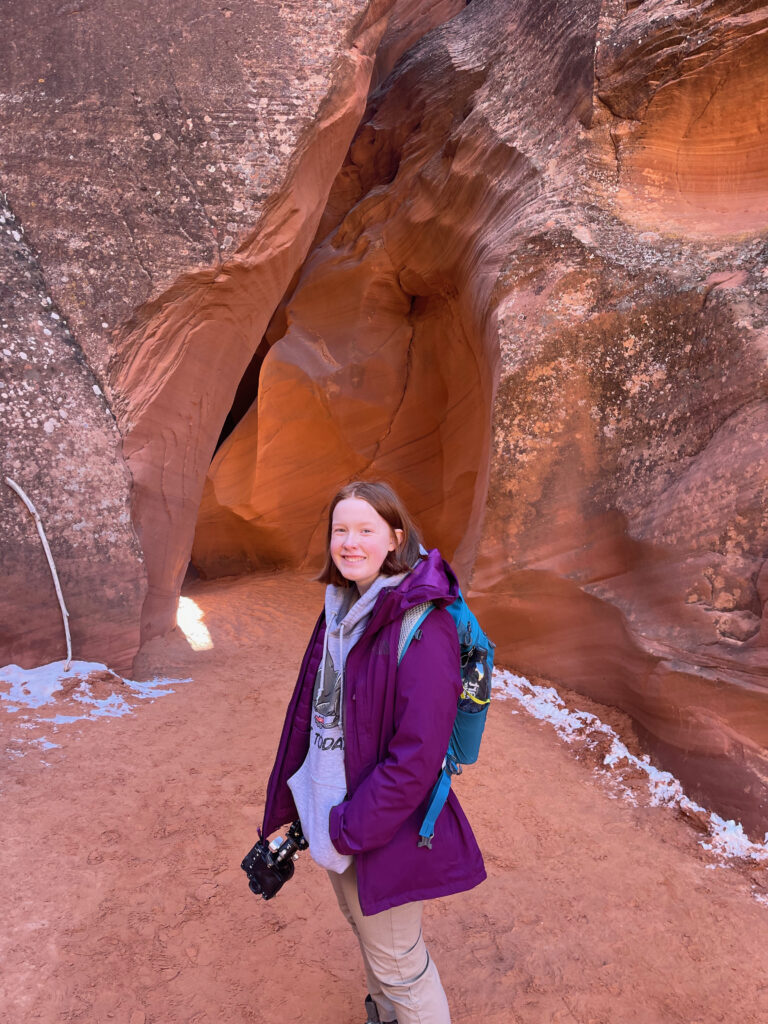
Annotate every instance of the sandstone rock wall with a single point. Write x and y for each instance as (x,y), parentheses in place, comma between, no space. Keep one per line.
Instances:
(61,445)
(685,87)
(384,356)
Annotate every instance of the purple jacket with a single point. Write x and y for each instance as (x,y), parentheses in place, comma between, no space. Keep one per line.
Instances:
(397,723)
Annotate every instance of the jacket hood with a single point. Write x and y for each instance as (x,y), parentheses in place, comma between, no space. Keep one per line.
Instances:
(431,580)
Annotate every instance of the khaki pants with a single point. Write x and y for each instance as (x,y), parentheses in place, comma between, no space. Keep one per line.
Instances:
(402,978)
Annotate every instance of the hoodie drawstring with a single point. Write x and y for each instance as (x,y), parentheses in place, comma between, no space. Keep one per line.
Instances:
(324,659)
(341,677)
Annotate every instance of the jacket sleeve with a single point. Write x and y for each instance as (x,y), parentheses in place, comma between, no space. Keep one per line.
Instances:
(428,686)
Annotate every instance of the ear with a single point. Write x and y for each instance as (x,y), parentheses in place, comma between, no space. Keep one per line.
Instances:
(396,540)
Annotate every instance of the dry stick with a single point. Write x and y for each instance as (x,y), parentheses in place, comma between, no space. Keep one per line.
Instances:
(49,556)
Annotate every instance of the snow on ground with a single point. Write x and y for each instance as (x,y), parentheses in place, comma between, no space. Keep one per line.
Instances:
(724,839)
(95,694)
(31,688)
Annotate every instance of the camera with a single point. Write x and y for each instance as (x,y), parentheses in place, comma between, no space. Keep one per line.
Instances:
(270,865)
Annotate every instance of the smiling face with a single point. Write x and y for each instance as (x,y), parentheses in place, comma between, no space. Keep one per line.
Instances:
(360,541)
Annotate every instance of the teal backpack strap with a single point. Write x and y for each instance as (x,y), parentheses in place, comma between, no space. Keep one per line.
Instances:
(411,623)
(438,796)
(436,803)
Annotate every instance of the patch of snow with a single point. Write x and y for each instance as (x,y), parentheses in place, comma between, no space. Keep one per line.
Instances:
(34,688)
(725,839)
(544,703)
(43,744)
(728,840)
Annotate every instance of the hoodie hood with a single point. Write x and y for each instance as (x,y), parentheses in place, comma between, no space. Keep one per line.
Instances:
(347,618)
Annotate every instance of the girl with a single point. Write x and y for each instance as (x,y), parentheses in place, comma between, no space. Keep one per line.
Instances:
(363,742)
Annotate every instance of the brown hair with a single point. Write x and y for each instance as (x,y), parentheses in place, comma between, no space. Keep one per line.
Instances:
(383,499)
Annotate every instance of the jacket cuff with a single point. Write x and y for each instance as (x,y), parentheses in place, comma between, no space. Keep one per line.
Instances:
(334,830)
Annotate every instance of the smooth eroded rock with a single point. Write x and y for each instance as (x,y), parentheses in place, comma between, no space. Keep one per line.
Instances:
(61,445)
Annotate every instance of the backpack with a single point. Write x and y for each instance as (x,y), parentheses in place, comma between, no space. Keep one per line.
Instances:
(472,709)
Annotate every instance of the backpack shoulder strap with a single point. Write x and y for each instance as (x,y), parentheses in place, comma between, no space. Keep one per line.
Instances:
(412,619)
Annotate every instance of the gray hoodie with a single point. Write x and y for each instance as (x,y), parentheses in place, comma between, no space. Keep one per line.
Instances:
(321,783)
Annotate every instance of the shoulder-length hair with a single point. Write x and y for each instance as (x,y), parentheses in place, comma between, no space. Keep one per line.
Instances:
(385,501)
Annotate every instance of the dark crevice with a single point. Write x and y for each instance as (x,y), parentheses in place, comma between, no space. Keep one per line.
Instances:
(248,388)
(247,391)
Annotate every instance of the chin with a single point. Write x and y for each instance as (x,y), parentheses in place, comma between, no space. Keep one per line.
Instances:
(352,571)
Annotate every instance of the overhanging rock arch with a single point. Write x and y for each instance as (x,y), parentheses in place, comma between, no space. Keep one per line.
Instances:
(386,352)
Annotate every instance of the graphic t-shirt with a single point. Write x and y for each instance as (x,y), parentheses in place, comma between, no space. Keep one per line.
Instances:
(320,783)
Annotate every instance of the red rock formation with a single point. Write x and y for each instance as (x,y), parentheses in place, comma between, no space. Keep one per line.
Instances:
(410,20)
(493,219)
(404,283)
(208,325)
(686,86)
(62,447)
(176,221)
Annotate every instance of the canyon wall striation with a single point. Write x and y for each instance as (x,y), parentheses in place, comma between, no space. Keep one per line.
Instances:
(513,258)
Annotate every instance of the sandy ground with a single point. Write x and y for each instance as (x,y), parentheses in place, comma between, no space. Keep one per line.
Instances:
(122,898)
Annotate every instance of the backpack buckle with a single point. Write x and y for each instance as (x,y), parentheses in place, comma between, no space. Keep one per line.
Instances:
(426,841)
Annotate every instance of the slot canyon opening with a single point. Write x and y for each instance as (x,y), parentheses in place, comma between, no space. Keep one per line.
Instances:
(246,393)
(247,390)
(367,381)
